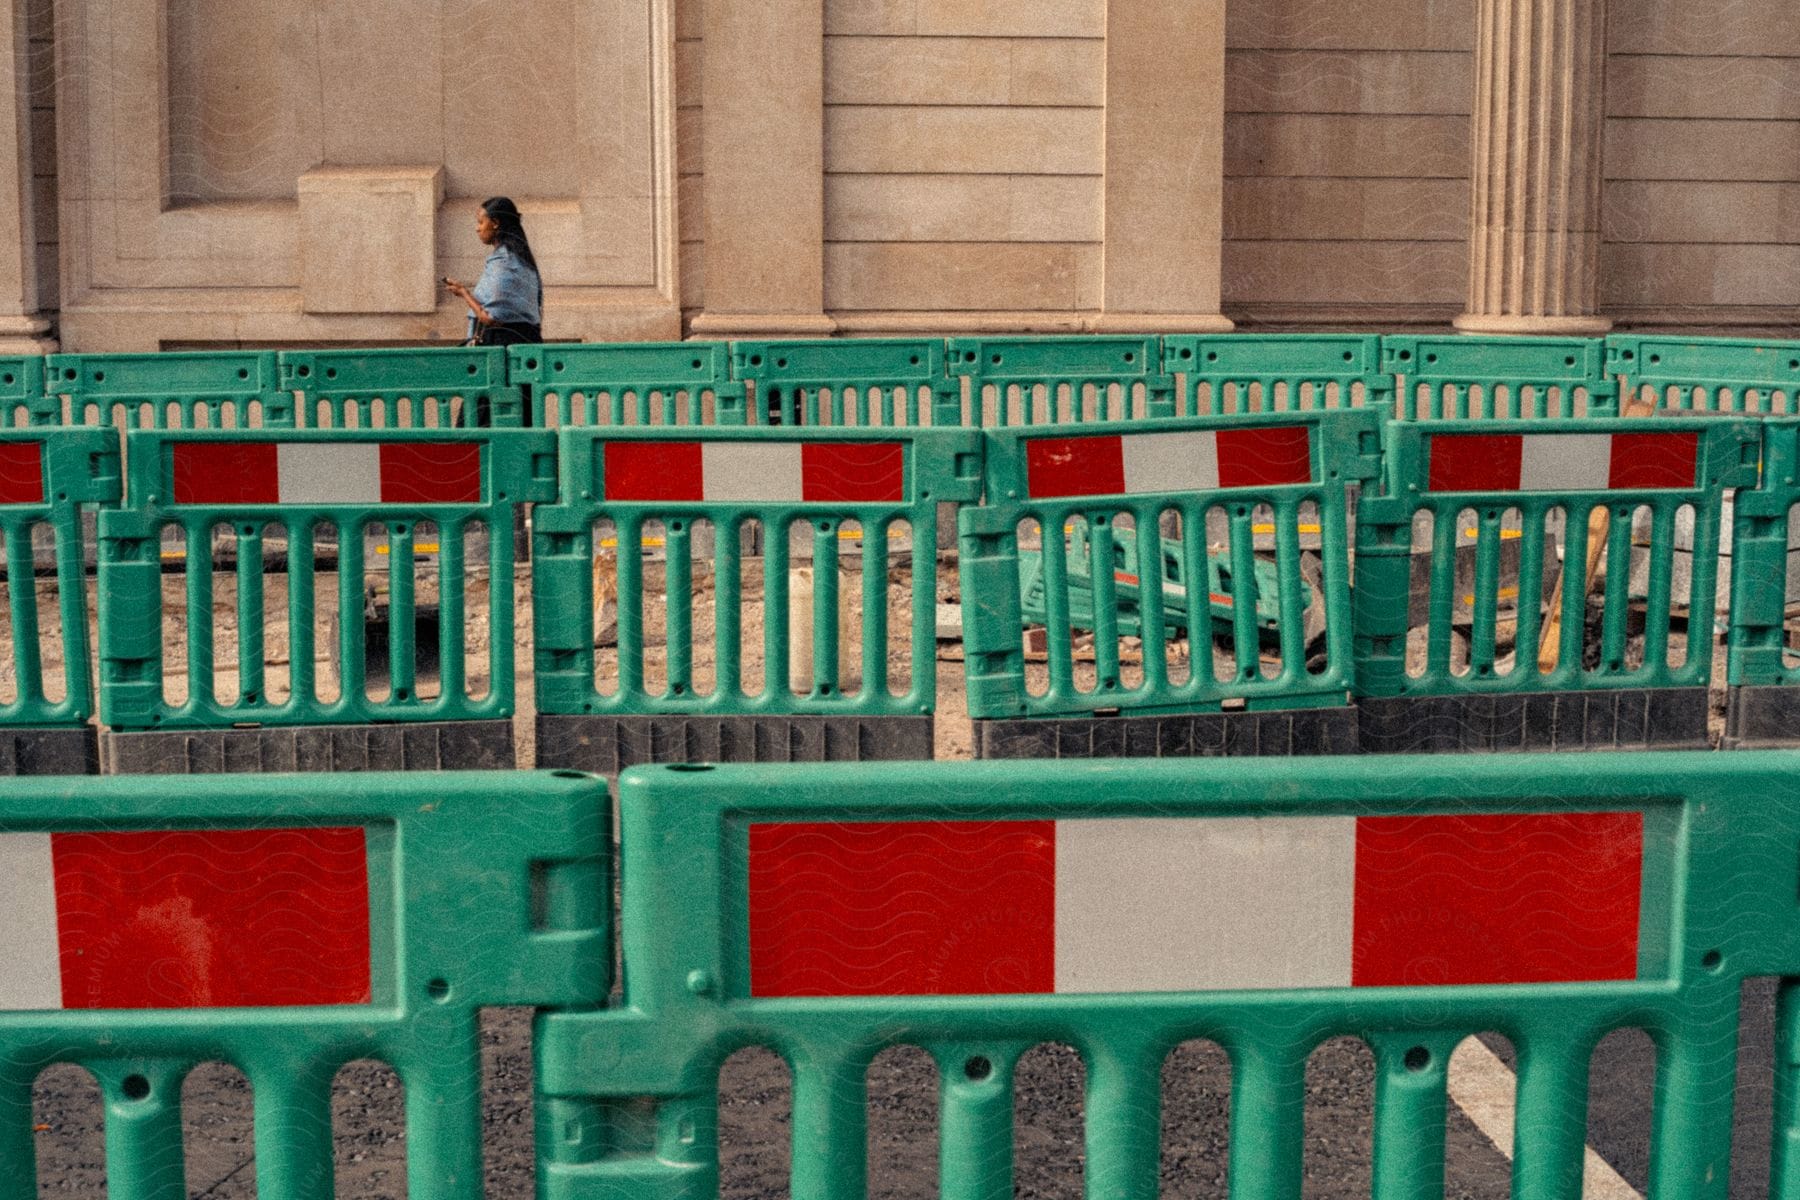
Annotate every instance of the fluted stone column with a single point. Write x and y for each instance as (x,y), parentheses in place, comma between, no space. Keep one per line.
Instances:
(1534,241)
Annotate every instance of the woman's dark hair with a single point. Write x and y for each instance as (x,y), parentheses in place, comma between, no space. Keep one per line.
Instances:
(511,234)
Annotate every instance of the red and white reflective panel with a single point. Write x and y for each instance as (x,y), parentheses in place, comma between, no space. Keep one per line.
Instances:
(326,473)
(1191,904)
(184,919)
(1561,462)
(755,472)
(1182,461)
(22,473)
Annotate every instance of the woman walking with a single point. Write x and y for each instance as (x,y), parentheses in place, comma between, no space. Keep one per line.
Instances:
(506,304)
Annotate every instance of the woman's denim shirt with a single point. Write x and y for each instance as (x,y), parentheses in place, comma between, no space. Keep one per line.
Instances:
(509,290)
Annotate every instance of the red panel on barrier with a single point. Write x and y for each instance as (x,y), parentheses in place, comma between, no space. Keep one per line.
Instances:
(853,472)
(1475,462)
(652,471)
(430,473)
(1264,457)
(1502,898)
(1653,460)
(1075,466)
(22,473)
(902,908)
(225,473)
(212,918)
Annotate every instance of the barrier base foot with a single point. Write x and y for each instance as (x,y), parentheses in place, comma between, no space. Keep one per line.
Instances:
(1762,717)
(606,745)
(1279,733)
(421,746)
(1623,719)
(50,751)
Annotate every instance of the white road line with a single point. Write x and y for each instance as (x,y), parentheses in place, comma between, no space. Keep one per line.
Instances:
(1483,1087)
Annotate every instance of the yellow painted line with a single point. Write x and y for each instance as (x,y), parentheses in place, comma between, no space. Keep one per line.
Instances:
(419,548)
(1511,593)
(1506,535)
(1270,528)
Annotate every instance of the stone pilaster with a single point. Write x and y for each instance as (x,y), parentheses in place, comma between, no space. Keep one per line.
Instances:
(1534,240)
(1165,161)
(763,133)
(23,329)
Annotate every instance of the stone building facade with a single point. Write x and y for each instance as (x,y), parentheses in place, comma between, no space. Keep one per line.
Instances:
(280,172)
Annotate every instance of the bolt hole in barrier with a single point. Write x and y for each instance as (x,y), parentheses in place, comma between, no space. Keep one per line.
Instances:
(629,383)
(329,579)
(1275,910)
(231,954)
(1609,647)
(683,569)
(437,388)
(1241,521)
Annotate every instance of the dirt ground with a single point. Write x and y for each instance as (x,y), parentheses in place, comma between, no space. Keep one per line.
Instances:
(368,1122)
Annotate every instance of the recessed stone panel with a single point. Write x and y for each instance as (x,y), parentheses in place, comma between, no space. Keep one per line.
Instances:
(367,239)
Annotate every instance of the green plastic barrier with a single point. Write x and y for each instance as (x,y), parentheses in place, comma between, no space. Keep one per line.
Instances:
(288,926)
(1613,492)
(435,388)
(849,381)
(1730,375)
(201,389)
(318,488)
(23,400)
(1219,479)
(629,383)
(813,914)
(1235,373)
(1057,380)
(1458,375)
(47,477)
(803,499)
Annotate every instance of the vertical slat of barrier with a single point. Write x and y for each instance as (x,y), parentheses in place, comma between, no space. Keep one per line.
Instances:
(1268,1093)
(1124,1118)
(143,1130)
(1286,514)
(303,682)
(198,565)
(1244,638)
(1550,1132)
(1575,579)
(1483,633)
(827,675)
(1410,1116)
(1199,597)
(1659,608)
(875,609)
(975,1125)
(500,605)
(1057,635)
(1106,604)
(1696,1078)
(443,1109)
(630,528)
(830,1125)
(1153,636)
(778,629)
(728,626)
(921,677)
(1530,605)
(352,670)
(21,571)
(453,675)
(679,604)
(1444,533)
(250,612)
(292,1129)
(403,611)
(1618,590)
